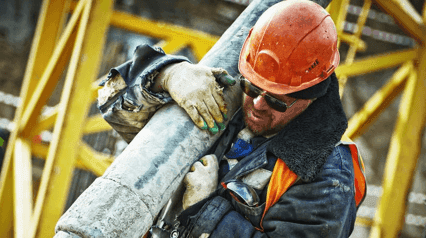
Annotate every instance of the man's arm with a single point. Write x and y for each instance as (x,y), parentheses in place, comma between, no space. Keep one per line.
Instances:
(127,100)
(133,91)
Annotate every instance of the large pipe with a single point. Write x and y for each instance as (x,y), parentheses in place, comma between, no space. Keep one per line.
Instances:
(125,201)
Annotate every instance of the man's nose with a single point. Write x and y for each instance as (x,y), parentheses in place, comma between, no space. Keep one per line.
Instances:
(259,103)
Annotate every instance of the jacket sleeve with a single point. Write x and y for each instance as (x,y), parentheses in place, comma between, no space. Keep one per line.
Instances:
(126,100)
(323,208)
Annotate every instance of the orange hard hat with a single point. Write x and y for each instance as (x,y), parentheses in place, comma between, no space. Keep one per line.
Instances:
(293,46)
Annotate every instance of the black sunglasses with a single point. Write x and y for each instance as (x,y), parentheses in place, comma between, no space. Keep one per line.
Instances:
(254,92)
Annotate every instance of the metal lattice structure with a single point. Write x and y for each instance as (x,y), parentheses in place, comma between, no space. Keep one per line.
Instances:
(411,79)
(75,46)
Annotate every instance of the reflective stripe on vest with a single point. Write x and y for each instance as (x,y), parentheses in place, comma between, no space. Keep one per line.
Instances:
(282,178)
(359,170)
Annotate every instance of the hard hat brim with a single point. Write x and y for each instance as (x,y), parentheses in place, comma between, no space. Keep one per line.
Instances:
(247,71)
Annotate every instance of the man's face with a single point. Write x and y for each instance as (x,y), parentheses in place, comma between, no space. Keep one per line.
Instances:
(263,120)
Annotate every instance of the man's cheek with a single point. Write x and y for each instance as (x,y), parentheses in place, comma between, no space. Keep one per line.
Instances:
(248,104)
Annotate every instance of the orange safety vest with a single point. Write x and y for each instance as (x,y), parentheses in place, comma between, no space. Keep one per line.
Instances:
(282,178)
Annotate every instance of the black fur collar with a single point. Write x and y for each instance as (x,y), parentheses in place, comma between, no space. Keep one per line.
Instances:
(306,142)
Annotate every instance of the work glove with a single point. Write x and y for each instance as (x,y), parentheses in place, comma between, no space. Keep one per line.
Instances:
(195,89)
(201,181)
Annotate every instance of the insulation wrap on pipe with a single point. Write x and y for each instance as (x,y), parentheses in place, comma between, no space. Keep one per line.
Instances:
(127,198)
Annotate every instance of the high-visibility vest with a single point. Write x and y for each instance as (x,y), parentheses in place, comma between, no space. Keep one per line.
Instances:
(282,178)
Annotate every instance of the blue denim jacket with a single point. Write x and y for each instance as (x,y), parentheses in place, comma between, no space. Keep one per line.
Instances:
(324,207)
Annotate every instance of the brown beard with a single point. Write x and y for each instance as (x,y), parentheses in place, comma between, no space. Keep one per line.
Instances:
(265,132)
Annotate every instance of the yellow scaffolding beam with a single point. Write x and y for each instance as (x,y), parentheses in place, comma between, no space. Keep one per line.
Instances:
(51,74)
(88,158)
(365,117)
(337,10)
(46,122)
(360,25)
(354,40)
(95,124)
(44,42)
(376,63)
(174,37)
(74,106)
(93,160)
(402,156)
(405,143)
(23,188)
(405,14)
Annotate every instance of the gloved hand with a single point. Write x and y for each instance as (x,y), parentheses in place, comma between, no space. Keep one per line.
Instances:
(195,89)
(201,181)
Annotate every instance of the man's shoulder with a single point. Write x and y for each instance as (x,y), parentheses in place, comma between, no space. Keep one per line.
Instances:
(340,159)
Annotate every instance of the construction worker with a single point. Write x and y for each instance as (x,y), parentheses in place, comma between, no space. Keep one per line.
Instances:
(285,169)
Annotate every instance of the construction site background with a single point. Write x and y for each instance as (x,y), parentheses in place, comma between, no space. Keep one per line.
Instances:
(18,19)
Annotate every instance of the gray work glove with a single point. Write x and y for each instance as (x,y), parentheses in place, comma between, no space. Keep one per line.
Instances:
(195,89)
(201,181)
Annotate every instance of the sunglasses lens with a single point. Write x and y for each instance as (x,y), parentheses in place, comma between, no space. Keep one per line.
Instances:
(248,88)
(254,92)
(276,104)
